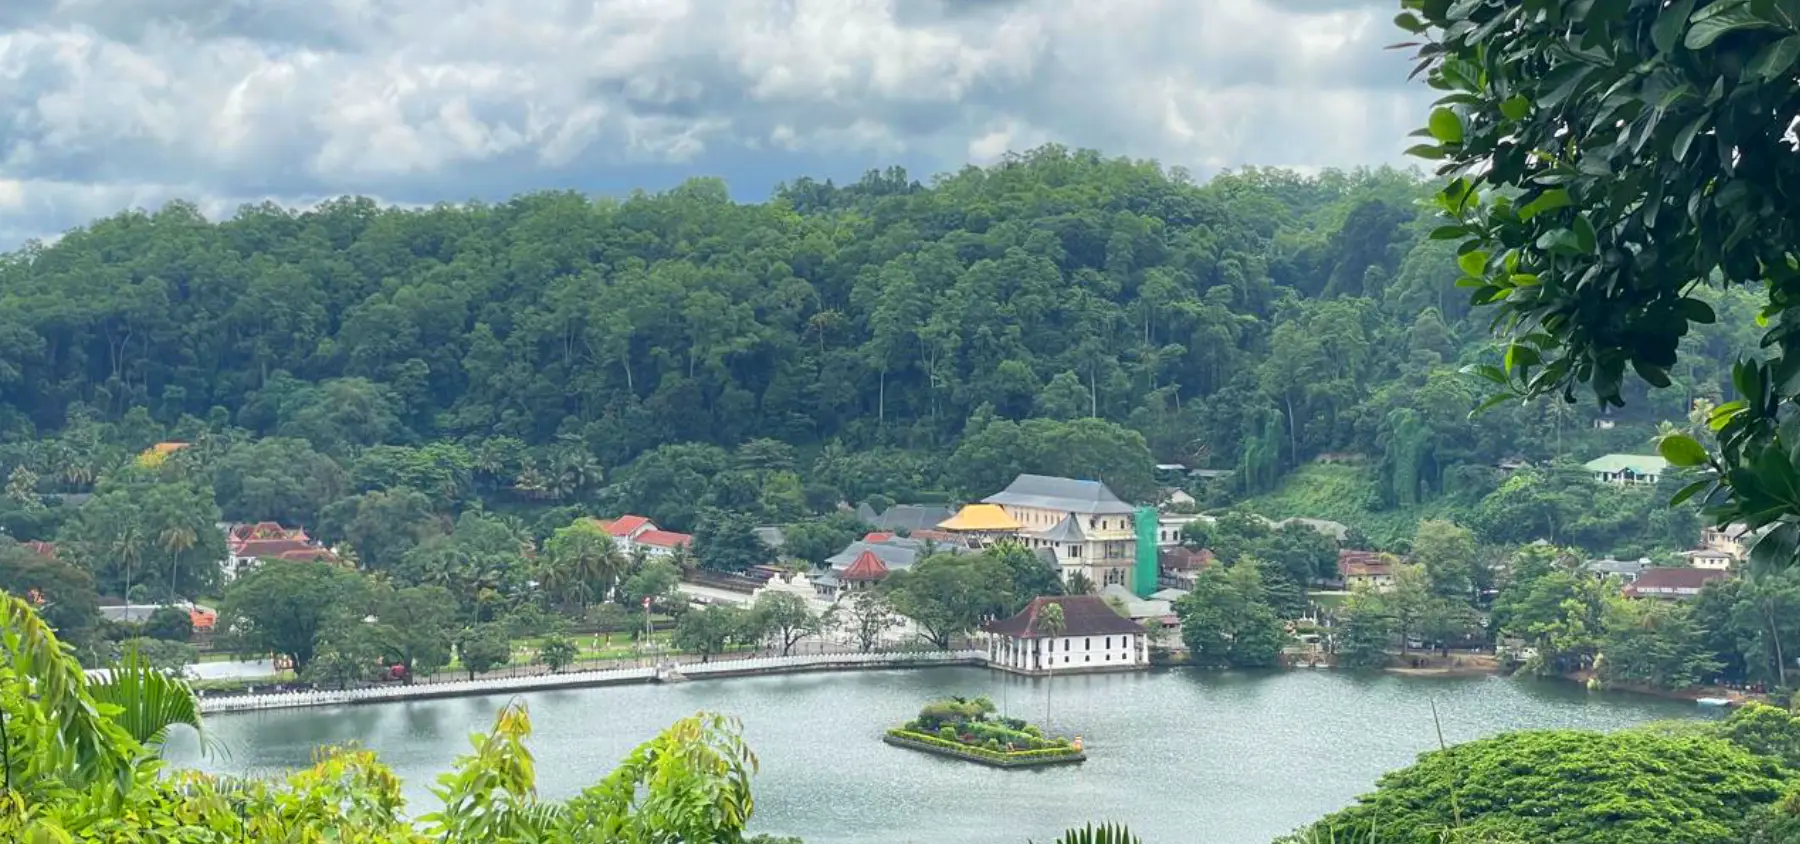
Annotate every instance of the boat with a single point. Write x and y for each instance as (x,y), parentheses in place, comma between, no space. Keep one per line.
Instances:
(1714,701)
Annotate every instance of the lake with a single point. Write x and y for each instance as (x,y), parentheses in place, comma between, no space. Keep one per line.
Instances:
(1179,755)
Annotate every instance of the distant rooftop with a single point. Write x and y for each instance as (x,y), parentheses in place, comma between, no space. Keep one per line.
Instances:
(1065,494)
(1639,464)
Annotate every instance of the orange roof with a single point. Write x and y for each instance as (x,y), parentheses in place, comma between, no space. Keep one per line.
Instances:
(663,538)
(866,566)
(202,618)
(878,536)
(168,447)
(981,517)
(624,525)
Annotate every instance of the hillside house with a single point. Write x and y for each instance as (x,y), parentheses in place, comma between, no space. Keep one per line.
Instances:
(1093,638)
(1625,570)
(1735,539)
(1367,569)
(1711,559)
(1627,469)
(637,533)
(1677,584)
(247,544)
(1083,523)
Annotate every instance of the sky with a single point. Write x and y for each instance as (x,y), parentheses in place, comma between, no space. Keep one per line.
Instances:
(114,104)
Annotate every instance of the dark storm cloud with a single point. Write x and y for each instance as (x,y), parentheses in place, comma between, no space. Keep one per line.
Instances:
(106,104)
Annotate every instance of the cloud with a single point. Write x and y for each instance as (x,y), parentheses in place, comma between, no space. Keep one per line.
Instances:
(104,104)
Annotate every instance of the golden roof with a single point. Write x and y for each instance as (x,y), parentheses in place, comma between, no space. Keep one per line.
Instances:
(980,517)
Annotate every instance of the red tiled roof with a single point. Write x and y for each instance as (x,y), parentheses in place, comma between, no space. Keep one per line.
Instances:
(41,548)
(268,547)
(663,538)
(1362,564)
(624,525)
(307,554)
(878,536)
(865,567)
(267,530)
(1181,558)
(1083,615)
(1672,581)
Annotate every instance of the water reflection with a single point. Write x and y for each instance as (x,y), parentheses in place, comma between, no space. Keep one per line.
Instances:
(1180,755)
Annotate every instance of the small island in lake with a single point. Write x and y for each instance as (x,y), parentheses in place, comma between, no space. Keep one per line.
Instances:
(967,729)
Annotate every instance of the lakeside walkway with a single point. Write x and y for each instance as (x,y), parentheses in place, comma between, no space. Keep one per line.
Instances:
(754,666)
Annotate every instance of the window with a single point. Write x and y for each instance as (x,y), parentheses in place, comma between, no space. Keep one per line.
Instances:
(1087,644)
(1109,643)
(1087,659)
(1075,550)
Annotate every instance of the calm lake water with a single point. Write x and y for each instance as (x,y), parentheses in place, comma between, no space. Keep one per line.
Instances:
(1181,756)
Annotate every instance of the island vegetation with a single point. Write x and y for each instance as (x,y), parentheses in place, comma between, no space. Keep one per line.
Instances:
(968,728)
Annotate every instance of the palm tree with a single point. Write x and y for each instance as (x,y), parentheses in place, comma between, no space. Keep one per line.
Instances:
(177,540)
(128,545)
(150,701)
(1051,624)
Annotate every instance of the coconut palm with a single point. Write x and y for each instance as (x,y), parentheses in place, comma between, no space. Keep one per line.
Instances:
(177,540)
(1051,624)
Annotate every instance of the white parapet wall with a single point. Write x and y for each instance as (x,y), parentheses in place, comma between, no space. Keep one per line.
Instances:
(577,679)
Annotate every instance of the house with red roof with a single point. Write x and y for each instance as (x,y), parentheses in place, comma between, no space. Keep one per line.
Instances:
(1677,584)
(248,544)
(1366,568)
(632,532)
(1091,637)
(662,543)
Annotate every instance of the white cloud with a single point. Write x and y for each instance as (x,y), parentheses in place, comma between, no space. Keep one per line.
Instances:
(104,104)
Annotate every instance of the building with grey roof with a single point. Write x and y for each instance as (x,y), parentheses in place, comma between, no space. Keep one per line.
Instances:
(1064,495)
(904,517)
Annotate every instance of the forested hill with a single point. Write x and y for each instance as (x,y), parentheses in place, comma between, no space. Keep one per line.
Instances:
(905,338)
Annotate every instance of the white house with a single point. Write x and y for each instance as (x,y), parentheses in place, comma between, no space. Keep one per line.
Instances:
(1627,469)
(1093,638)
(1090,530)
(1712,559)
(633,533)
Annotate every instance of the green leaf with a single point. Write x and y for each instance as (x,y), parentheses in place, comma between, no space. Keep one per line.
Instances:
(1487,371)
(1682,450)
(1549,200)
(1774,61)
(1429,152)
(1584,234)
(1669,24)
(1446,126)
(1684,139)
(1515,107)
(1490,403)
(1697,311)
(1560,241)
(1688,492)
(1709,28)
(1518,355)
(1473,263)
(1655,375)
(1409,22)
(1449,233)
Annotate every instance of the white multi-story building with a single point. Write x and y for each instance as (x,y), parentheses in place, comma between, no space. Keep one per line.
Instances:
(1090,530)
(1092,637)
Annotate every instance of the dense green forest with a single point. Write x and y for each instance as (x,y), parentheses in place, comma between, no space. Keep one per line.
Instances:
(885,340)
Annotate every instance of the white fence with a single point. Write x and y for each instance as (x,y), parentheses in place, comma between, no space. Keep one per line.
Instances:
(610,676)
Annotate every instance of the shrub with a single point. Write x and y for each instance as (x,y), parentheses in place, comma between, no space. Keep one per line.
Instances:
(947,733)
(982,752)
